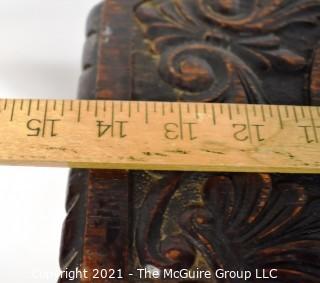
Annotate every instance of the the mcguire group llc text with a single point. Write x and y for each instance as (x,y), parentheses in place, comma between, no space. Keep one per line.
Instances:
(155,273)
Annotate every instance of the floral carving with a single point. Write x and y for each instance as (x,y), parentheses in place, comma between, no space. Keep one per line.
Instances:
(174,251)
(236,222)
(207,47)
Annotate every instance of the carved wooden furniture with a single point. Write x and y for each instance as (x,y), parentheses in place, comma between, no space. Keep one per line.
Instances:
(243,51)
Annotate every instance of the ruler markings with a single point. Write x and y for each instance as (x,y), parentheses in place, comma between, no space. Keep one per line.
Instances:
(29,107)
(287,111)
(213,110)
(295,114)
(302,112)
(5,105)
(230,112)
(248,124)
(197,110)
(129,109)
(314,127)
(96,110)
(181,122)
(62,108)
(45,119)
(112,119)
(238,109)
(147,113)
(54,105)
(221,108)
(254,111)
(280,117)
(270,111)
(177,131)
(88,105)
(12,109)
(121,106)
(79,112)
(263,113)
(205,108)
(71,105)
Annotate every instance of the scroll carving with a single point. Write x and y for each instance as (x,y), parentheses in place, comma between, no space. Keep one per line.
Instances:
(209,48)
(231,221)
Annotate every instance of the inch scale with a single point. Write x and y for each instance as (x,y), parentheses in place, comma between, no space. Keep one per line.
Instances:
(160,136)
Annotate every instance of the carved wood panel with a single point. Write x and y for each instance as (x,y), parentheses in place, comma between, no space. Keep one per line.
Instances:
(243,51)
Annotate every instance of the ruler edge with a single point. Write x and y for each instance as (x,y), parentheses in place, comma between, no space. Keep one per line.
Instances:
(139,166)
(110,101)
(156,167)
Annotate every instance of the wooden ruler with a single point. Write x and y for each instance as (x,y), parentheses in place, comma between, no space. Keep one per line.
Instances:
(160,136)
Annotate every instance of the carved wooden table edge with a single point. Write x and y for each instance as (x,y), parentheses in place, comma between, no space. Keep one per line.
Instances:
(214,51)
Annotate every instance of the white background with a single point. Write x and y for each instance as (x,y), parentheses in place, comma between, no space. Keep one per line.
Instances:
(40,54)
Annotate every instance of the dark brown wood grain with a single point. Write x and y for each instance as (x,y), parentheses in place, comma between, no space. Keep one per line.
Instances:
(243,51)
(96,229)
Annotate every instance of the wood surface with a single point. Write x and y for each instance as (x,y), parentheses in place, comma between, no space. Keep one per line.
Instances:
(210,137)
(239,51)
